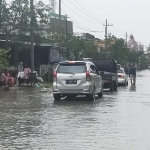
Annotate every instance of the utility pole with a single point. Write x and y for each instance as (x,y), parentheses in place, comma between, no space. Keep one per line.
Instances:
(59,28)
(67,37)
(0,12)
(106,43)
(32,35)
(60,13)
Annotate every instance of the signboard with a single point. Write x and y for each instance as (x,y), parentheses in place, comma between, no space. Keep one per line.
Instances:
(53,15)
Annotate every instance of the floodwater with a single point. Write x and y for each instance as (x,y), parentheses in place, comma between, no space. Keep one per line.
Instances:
(30,119)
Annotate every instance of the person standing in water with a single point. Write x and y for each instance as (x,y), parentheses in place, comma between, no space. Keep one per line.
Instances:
(132,74)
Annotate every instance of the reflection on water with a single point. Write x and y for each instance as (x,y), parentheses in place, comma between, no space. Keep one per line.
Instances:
(31,119)
(133,88)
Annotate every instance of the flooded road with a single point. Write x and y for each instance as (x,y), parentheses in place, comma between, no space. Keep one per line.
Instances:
(30,119)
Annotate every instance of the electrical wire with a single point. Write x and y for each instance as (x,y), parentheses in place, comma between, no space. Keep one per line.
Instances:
(119,32)
(72,18)
(116,31)
(88,12)
(78,25)
(115,28)
(89,30)
(84,12)
(93,17)
(79,15)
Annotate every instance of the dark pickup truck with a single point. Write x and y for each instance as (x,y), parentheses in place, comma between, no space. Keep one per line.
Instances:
(108,70)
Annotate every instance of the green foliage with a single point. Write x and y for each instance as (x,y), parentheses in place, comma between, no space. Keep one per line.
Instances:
(4,58)
(15,21)
(77,47)
(121,53)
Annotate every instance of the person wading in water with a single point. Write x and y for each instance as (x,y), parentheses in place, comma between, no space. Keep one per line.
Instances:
(132,74)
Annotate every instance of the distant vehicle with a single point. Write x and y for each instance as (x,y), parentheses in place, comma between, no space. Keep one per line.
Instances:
(108,70)
(119,66)
(72,78)
(122,77)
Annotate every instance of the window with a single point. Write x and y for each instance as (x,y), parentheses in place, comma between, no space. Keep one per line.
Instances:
(73,68)
(94,69)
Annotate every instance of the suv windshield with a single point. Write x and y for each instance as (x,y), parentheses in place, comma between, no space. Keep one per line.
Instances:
(73,68)
(120,71)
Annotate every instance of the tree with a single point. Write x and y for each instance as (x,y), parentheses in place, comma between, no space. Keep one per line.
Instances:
(8,20)
(24,25)
(90,50)
(4,58)
(120,52)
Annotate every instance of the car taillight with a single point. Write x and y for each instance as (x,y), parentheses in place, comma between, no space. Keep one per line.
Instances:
(122,76)
(88,77)
(55,76)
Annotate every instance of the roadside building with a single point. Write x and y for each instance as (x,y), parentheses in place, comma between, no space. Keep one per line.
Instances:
(132,44)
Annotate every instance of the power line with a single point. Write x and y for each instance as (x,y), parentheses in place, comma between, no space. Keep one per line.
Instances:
(117,30)
(72,18)
(83,11)
(89,30)
(78,24)
(79,15)
(88,12)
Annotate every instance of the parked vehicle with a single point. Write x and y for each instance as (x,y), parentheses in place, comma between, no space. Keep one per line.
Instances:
(72,78)
(122,77)
(108,70)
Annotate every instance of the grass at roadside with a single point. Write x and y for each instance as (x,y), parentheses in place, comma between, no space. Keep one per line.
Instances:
(47,85)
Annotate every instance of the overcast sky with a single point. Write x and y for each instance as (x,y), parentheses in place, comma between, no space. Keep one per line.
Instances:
(125,15)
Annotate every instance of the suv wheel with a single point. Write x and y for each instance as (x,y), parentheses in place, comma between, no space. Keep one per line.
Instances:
(91,96)
(56,97)
(112,87)
(100,94)
(115,87)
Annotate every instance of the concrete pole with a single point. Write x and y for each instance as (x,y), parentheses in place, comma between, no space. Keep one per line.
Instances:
(60,13)
(32,35)
(67,37)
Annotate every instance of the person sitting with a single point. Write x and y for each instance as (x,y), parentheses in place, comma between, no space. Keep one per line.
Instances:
(26,71)
(10,79)
(3,78)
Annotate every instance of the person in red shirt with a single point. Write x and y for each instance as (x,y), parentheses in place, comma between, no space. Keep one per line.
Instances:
(10,79)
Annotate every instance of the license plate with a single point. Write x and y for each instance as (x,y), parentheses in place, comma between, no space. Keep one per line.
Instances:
(71,81)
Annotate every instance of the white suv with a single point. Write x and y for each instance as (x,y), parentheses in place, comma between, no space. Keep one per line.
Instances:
(72,78)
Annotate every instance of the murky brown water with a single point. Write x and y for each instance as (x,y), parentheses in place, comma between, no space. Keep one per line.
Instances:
(30,119)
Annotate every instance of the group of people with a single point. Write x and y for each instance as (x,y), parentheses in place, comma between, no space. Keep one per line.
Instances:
(26,70)
(6,79)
